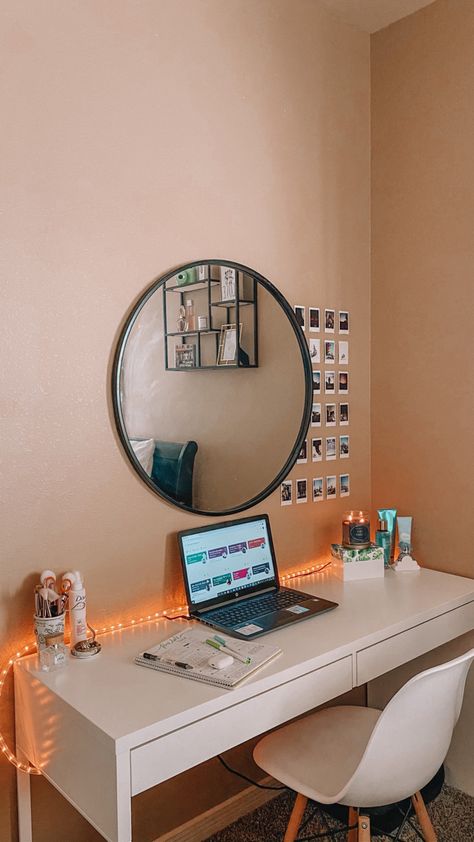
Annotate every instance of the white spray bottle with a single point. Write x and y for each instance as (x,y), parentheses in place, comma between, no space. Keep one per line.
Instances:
(77,609)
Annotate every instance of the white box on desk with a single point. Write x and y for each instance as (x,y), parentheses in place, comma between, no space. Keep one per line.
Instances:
(349,571)
(354,568)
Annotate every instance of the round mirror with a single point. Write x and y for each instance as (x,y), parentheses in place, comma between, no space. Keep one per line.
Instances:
(212,387)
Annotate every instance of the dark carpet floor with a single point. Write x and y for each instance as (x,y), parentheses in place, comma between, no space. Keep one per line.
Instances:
(452,814)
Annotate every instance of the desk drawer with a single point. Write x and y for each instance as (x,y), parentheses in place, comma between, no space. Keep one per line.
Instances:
(167,756)
(403,647)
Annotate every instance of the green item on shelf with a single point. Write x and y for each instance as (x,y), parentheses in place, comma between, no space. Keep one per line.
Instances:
(187,276)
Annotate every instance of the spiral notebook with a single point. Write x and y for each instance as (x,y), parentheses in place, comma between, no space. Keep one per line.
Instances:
(190,647)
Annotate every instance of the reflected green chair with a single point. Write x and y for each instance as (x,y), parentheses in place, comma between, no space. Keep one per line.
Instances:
(172,472)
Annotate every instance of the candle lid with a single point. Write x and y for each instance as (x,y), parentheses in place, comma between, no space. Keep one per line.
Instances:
(86,648)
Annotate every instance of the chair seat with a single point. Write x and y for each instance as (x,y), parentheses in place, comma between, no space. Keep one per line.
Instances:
(317,756)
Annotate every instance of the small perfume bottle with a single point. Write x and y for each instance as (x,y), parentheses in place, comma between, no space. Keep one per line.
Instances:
(53,656)
(383,539)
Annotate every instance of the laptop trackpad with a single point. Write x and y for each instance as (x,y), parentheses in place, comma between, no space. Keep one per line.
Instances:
(272,620)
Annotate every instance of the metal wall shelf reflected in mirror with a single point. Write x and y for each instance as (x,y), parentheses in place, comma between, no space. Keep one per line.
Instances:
(209,441)
(201,331)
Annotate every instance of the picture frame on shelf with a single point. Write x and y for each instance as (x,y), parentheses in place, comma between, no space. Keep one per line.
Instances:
(185,356)
(228,283)
(228,345)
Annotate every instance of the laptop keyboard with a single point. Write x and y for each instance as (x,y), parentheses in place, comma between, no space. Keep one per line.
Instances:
(256,607)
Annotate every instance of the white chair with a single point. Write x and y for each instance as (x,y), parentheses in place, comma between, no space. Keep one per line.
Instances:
(362,757)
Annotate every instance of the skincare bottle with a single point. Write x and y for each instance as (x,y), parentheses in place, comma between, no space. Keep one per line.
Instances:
(389,515)
(190,317)
(77,610)
(384,539)
(404,536)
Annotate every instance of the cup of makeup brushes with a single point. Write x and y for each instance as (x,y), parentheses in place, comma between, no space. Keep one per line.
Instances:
(45,626)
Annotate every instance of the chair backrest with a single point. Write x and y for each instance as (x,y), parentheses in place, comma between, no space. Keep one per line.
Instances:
(412,736)
(173,465)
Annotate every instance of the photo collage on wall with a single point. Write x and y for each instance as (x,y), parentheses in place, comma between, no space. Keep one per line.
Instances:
(328,441)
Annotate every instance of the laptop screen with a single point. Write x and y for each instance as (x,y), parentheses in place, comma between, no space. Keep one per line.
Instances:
(228,559)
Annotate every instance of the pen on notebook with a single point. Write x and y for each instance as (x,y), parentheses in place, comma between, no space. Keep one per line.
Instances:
(245,660)
(181,664)
(222,648)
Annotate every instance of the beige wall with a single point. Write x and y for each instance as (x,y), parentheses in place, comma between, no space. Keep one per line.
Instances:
(136,137)
(423,303)
(423,267)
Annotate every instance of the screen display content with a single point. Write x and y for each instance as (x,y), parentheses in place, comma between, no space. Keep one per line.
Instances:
(227,560)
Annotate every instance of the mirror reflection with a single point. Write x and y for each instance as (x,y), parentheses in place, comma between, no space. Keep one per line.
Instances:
(212,387)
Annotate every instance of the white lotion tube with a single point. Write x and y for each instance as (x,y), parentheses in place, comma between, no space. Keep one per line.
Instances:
(77,610)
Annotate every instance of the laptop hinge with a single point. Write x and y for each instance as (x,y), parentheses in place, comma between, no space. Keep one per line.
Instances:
(229,602)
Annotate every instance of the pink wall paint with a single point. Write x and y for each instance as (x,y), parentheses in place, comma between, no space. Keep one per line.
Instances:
(138,136)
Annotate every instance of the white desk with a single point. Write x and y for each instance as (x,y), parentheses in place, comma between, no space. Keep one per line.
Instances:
(104,730)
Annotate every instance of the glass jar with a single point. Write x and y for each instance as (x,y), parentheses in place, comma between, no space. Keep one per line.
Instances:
(190,315)
(356,530)
(181,320)
(54,654)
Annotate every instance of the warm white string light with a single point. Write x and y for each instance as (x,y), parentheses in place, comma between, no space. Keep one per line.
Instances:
(30,648)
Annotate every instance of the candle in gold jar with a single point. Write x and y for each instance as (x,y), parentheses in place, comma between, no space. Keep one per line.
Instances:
(356,530)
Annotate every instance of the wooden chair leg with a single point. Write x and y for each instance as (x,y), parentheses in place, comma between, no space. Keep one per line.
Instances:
(295,818)
(364,829)
(424,820)
(353,821)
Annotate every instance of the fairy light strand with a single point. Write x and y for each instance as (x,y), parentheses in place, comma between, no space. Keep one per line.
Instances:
(167,613)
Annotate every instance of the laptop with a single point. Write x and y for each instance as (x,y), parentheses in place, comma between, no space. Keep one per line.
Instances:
(231,579)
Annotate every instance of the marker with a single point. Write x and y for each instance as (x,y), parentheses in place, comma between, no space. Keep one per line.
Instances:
(181,664)
(222,648)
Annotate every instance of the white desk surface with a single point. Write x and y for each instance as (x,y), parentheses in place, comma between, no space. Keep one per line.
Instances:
(131,704)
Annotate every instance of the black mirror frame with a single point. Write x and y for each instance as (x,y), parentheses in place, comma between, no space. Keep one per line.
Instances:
(116,398)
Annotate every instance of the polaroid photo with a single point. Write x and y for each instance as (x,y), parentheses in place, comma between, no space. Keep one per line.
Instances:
(343,321)
(316,382)
(331,488)
(318,493)
(300,315)
(316,415)
(344,485)
(330,448)
(315,350)
(344,447)
(330,415)
(343,414)
(329,321)
(329,351)
(286,492)
(301,491)
(314,319)
(343,352)
(343,382)
(330,382)
(303,454)
(316,450)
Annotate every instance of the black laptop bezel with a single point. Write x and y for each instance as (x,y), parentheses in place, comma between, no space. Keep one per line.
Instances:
(226,599)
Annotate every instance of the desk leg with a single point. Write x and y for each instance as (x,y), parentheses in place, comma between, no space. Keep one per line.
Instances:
(124,798)
(23,789)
